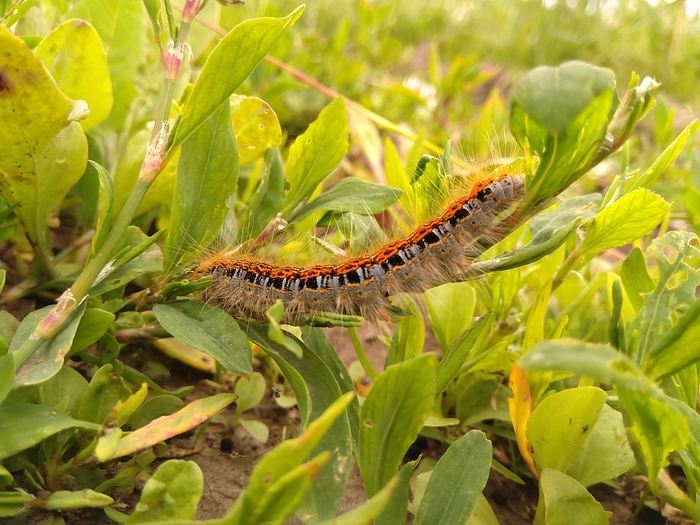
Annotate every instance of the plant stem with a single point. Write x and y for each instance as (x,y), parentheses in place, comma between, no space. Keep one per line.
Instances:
(152,165)
(361,355)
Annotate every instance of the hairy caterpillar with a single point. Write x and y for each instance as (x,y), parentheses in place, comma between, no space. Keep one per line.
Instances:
(437,252)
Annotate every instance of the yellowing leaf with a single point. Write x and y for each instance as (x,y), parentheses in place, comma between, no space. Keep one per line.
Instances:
(519,408)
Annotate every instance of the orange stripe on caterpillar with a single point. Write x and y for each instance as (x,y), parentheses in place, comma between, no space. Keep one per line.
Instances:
(437,252)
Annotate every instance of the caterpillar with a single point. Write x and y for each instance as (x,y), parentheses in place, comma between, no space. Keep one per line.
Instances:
(437,252)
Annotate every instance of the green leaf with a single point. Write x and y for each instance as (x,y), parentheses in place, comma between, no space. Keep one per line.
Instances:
(605,454)
(677,348)
(74,56)
(256,126)
(563,501)
(316,153)
(282,463)
(150,261)
(635,277)
(396,509)
(456,481)
(257,429)
(409,333)
(267,200)
(667,158)
(44,151)
(319,378)
(122,29)
(63,391)
(46,361)
(162,405)
(7,375)
(560,424)
(551,229)
(561,114)
(209,329)
(675,254)
(166,427)
(453,359)
(624,221)
(93,324)
(105,211)
(23,425)
(391,416)
(65,499)
(369,510)
(105,390)
(351,195)
(173,492)
(228,65)
(555,96)
(153,8)
(207,175)
(450,309)
(13,503)
(483,513)
(250,391)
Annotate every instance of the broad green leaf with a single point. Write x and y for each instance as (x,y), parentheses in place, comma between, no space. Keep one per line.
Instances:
(555,96)
(635,277)
(453,359)
(46,361)
(256,126)
(93,325)
(23,425)
(250,391)
(8,329)
(173,492)
(675,254)
(551,229)
(166,427)
(351,195)
(209,329)
(605,454)
(63,392)
(44,150)
(450,310)
(65,499)
(534,326)
(318,378)
(362,231)
(624,221)
(690,456)
(315,153)
(391,416)
(397,177)
(677,348)
(561,114)
(666,159)
(456,481)
(560,424)
(5,477)
(100,400)
(121,25)
(74,56)
(267,200)
(228,65)
(564,501)
(207,175)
